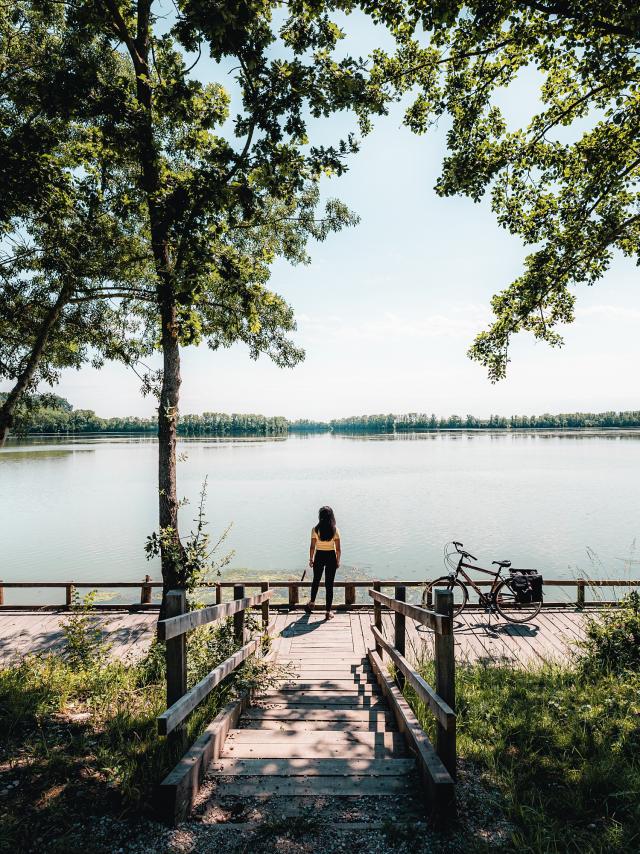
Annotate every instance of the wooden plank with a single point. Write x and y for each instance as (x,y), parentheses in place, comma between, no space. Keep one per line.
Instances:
(420,615)
(174,626)
(390,740)
(439,783)
(302,713)
(319,700)
(399,630)
(343,686)
(176,713)
(445,667)
(317,768)
(335,725)
(288,787)
(442,711)
(239,633)
(358,624)
(326,747)
(179,788)
(362,675)
(176,655)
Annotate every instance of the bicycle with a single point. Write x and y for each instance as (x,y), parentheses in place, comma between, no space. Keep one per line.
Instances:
(505,595)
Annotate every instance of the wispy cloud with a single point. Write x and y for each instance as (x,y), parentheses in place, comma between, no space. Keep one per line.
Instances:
(456,322)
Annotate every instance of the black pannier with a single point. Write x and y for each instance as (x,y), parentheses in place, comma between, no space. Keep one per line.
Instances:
(527,585)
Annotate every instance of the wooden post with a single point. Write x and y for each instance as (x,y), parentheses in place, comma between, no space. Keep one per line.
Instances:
(145,591)
(445,666)
(69,595)
(580,599)
(218,594)
(377,616)
(349,595)
(176,658)
(238,618)
(1,593)
(400,594)
(265,607)
(293,595)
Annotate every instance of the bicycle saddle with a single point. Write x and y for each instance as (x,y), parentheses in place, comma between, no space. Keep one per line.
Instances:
(503,563)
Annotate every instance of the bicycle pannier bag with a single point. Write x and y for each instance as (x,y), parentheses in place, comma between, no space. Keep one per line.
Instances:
(527,587)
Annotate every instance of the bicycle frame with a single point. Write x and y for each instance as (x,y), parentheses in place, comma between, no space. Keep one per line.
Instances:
(483,598)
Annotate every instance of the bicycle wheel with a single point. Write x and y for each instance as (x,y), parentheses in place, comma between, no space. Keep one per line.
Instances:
(460,593)
(513,611)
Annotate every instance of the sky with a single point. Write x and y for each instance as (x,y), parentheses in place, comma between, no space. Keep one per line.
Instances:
(387,310)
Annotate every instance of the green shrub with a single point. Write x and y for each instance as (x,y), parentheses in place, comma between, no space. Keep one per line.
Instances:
(612,643)
(85,644)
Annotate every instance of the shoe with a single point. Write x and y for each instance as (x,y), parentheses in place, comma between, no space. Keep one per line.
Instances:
(329,615)
(309,607)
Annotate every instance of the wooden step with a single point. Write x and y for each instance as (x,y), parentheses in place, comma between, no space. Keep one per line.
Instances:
(312,768)
(329,669)
(313,745)
(321,699)
(334,725)
(302,713)
(337,787)
(338,686)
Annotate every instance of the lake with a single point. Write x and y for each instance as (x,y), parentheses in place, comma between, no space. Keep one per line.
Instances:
(567,503)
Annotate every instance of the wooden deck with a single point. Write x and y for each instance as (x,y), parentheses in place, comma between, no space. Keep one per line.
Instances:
(550,637)
(26,632)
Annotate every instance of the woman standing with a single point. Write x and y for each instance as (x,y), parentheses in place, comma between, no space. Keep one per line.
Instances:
(324,556)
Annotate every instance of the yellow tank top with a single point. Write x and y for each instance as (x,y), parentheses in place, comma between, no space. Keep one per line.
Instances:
(325,545)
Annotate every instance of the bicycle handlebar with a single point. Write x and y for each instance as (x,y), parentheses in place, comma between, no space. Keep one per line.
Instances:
(461,551)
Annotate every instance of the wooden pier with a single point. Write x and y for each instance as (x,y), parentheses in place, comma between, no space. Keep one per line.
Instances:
(550,636)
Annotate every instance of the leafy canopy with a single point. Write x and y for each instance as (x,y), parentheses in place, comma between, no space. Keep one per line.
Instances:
(567,182)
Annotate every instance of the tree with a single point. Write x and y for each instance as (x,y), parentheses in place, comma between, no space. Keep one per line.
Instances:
(567,182)
(66,298)
(67,256)
(215,208)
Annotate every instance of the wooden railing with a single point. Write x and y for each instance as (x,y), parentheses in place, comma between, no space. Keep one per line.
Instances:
(70,587)
(437,767)
(173,630)
(292,591)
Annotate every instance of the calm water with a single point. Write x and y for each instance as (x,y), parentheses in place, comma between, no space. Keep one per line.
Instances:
(565,503)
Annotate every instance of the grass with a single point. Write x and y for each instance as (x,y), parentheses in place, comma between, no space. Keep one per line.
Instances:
(561,742)
(79,738)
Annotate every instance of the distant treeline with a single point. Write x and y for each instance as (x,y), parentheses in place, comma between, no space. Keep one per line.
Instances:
(421,421)
(52,414)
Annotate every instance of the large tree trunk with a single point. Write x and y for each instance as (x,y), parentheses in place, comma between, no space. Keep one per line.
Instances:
(138,46)
(172,552)
(8,408)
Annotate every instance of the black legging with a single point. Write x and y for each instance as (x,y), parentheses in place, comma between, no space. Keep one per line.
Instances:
(324,561)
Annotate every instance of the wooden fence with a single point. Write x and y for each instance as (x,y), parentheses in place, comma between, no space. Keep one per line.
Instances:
(292,590)
(177,791)
(180,701)
(437,767)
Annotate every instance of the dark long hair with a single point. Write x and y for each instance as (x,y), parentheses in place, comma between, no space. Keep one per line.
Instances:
(326,527)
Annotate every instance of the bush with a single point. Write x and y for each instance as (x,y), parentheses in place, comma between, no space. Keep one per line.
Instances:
(612,643)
